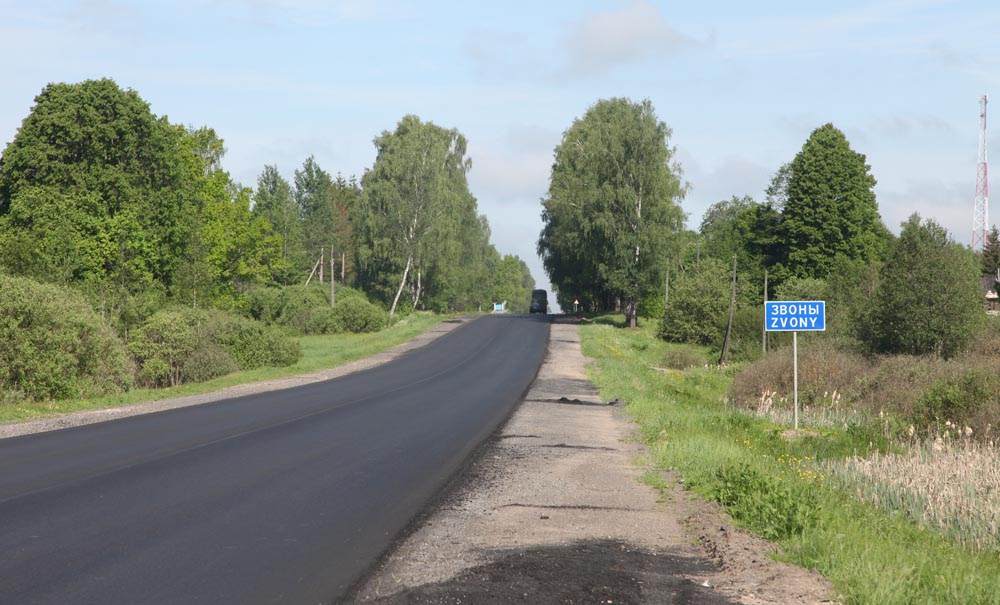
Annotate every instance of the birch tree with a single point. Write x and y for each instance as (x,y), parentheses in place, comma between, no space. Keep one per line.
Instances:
(418,178)
(612,210)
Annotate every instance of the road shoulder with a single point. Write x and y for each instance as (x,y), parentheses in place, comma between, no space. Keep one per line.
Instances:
(554,510)
(51,423)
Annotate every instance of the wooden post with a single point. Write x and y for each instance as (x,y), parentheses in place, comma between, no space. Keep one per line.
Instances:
(729,327)
(343,266)
(666,287)
(795,373)
(311,273)
(333,293)
(763,338)
(321,265)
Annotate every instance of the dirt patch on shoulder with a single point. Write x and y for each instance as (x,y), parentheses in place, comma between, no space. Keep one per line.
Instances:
(554,511)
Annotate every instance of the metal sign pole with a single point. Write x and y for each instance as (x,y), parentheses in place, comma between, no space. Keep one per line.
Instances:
(795,366)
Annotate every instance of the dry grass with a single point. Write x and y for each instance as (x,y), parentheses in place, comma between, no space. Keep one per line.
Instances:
(950,484)
(841,386)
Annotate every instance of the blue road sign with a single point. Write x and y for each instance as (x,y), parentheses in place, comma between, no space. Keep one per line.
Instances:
(795,316)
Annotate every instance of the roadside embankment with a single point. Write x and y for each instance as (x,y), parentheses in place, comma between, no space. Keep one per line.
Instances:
(554,510)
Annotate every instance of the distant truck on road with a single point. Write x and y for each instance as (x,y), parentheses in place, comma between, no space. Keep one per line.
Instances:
(539,302)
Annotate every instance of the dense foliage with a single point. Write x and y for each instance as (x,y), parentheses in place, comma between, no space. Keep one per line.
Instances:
(928,300)
(830,210)
(419,231)
(53,344)
(99,193)
(611,215)
(191,345)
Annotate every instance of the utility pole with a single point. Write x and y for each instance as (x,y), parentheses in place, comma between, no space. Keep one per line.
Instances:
(666,287)
(333,292)
(729,327)
(321,264)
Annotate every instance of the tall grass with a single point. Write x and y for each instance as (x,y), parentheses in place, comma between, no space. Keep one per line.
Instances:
(781,487)
(950,484)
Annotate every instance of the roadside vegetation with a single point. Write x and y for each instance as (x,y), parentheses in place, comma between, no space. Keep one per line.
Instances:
(318,352)
(131,260)
(842,497)
(889,488)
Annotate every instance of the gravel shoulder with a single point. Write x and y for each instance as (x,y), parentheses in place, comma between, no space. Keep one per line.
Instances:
(62,421)
(553,510)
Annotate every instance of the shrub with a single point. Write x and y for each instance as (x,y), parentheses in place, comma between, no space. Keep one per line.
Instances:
(682,357)
(324,320)
(54,345)
(359,315)
(699,302)
(306,310)
(165,344)
(207,362)
(251,343)
(744,342)
(190,345)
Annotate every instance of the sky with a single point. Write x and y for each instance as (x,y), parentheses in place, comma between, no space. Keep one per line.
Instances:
(740,84)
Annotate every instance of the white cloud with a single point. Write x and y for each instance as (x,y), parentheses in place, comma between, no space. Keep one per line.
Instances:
(947,202)
(733,176)
(515,169)
(635,33)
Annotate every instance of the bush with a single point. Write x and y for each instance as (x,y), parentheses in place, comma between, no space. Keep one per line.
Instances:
(324,320)
(166,343)
(682,357)
(358,315)
(191,345)
(699,302)
(251,343)
(744,342)
(53,345)
(308,310)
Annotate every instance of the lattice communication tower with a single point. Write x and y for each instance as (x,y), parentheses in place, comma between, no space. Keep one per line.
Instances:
(981,212)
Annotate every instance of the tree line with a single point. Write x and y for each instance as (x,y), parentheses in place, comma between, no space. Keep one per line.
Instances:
(100,194)
(614,238)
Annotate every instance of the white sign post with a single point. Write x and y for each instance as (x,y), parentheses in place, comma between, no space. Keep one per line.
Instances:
(795,316)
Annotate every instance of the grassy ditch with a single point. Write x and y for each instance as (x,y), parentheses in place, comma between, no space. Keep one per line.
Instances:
(318,353)
(798,490)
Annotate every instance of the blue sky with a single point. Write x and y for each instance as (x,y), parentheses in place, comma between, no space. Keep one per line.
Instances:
(742,84)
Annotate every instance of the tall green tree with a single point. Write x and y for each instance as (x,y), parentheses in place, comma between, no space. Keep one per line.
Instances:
(415,199)
(228,246)
(94,188)
(928,298)
(612,209)
(830,209)
(273,200)
(313,194)
(991,253)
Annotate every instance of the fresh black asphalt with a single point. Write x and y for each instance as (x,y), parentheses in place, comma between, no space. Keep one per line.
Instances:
(281,497)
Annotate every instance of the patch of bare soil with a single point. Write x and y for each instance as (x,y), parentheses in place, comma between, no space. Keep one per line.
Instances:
(554,511)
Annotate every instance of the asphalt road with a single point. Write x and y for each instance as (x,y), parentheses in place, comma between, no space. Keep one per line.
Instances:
(281,497)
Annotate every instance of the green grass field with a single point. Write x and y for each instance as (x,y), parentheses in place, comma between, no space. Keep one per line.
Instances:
(778,485)
(318,353)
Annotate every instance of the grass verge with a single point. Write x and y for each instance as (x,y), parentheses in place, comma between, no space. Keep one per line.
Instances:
(776,484)
(318,353)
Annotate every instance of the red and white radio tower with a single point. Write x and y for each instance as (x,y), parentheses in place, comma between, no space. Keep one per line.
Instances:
(981,213)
